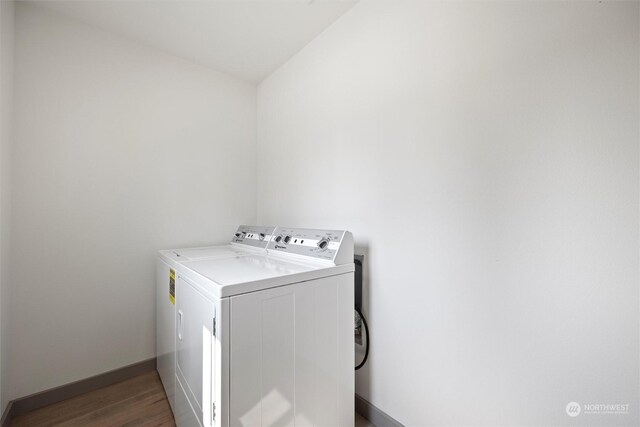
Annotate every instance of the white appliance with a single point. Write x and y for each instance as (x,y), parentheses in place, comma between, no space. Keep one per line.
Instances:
(266,339)
(246,240)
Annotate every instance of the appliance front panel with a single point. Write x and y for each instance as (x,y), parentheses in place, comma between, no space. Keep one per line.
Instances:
(195,348)
(183,413)
(292,354)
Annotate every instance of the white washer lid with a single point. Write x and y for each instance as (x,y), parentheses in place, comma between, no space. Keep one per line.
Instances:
(190,254)
(248,273)
(209,252)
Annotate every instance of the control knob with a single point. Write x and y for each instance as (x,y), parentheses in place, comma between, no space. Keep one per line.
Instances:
(322,244)
(287,239)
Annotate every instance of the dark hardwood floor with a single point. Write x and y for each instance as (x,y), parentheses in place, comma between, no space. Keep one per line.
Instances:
(139,401)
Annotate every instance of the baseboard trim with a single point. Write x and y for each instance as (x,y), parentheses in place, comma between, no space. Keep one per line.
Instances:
(39,400)
(35,401)
(377,417)
(7,415)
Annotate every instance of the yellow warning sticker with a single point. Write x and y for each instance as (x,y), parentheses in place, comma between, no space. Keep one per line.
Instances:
(172,286)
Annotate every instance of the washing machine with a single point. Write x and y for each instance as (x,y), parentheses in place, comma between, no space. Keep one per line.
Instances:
(266,339)
(246,240)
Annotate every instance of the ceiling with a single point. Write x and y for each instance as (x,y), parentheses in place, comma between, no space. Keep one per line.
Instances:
(245,38)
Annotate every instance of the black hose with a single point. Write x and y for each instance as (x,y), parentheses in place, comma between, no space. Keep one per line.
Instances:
(366,349)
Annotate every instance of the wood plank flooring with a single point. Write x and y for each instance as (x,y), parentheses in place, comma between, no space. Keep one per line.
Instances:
(139,401)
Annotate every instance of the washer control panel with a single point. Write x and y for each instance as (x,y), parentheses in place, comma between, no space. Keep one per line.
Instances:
(253,235)
(319,244)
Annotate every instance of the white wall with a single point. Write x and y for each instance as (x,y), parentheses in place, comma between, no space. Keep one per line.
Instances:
(6,113)
(120,150)
(485,156)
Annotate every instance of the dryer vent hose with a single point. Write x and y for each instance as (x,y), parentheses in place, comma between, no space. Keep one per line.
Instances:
(366,333)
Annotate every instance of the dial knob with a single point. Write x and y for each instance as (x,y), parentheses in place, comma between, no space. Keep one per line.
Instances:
(237,234)
(278,239)
(322,244)
(261,236)
(287,239)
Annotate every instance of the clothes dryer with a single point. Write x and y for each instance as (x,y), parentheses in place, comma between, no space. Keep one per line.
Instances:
(245,241)
(266,339)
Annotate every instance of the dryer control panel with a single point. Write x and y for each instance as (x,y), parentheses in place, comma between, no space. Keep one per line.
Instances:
(253,235)
(318,244)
